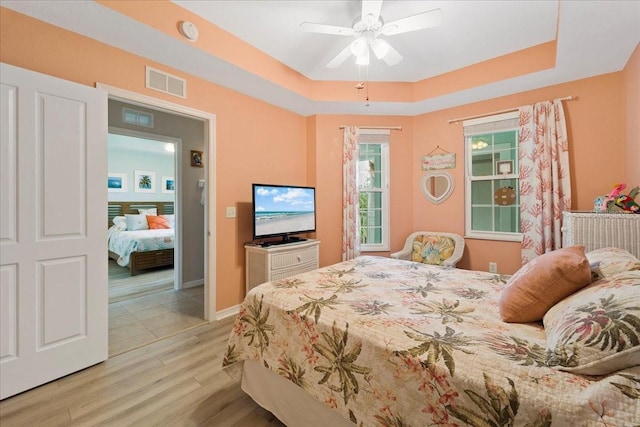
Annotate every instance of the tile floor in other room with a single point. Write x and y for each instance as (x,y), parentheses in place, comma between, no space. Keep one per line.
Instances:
(140,321)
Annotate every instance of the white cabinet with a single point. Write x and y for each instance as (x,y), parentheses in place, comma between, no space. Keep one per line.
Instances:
(264,264)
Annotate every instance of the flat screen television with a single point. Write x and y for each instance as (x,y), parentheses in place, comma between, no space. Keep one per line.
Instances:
(283,211)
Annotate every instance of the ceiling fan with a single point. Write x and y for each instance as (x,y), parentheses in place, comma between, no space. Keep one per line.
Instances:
(367,31)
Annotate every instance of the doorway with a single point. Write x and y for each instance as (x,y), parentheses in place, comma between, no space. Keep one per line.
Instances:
(164,300)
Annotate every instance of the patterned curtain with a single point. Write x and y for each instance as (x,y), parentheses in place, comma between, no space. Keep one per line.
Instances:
(350,198)
(545,185)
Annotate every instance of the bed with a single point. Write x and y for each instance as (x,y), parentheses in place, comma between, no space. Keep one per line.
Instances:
(379,341)
(140,249)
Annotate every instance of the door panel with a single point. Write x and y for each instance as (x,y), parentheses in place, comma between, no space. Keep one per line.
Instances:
(61,151)
(8,313)
(8,163)
(52,240)
(62,289)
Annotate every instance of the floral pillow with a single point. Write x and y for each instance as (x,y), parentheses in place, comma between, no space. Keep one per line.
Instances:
(596,331)
(432,249)
(606,262)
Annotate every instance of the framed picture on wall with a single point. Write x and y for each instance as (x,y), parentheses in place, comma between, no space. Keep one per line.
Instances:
(504,167)
(168,184)
(197,160)
(117,182)
(145,182)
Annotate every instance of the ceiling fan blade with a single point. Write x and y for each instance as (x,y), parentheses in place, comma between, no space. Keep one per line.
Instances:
(340,58)
(371,7)
(420,21)
(310,27)
(392,57)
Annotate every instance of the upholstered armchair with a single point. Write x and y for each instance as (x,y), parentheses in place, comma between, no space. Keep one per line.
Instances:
(432,247)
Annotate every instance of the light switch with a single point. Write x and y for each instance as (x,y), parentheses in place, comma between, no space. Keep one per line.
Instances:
(231,212)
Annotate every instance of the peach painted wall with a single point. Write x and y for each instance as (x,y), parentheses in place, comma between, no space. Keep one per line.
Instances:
(328,153)
(255,141)
(596,115)
(631,82)
(595,121)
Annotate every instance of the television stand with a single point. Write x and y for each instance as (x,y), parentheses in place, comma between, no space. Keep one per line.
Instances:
(265,264)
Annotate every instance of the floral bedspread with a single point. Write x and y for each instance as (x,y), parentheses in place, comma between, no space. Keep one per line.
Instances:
(396,343)
(125,242)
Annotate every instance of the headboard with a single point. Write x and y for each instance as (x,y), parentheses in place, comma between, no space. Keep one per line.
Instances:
(599,230)
(121,208)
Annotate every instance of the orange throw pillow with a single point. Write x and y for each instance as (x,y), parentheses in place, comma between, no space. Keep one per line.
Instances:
(157,222)
(543,282)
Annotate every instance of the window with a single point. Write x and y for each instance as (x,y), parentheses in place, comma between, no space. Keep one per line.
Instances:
(492,201)
(373,187)
(135,117)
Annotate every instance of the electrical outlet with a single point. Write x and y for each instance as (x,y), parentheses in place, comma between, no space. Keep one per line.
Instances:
(493,267)
(231,212)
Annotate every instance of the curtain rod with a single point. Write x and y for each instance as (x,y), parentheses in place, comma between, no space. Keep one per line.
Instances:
(566,98)
(376,127)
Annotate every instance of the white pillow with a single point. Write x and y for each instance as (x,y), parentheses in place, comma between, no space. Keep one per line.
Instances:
(137,222)
(150,211)
(119,220)
(171,219)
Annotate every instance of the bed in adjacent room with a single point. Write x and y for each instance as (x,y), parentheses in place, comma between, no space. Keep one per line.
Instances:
(379,341)
(141,234)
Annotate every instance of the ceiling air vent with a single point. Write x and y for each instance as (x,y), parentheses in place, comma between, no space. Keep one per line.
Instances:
(164,82)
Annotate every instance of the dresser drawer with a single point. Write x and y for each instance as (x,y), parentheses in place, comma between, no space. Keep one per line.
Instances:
(292,271)
(293,258)
(268,263)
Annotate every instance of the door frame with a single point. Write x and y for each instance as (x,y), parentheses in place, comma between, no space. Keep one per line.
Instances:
(210,288)
(177,171)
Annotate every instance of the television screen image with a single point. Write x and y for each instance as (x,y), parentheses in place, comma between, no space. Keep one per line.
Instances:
(280,210)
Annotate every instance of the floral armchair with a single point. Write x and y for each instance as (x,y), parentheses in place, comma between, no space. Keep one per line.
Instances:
(432,247)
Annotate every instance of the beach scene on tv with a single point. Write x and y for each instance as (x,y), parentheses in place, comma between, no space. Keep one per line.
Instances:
(284,210)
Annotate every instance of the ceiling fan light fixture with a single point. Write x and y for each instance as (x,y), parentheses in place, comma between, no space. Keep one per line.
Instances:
(359,46)
(380,48)
(363,59)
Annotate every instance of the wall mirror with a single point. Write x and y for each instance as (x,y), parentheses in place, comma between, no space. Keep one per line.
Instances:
(437,186)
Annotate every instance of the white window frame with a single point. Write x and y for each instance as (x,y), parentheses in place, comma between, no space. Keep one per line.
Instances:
(377,136)
(469,232)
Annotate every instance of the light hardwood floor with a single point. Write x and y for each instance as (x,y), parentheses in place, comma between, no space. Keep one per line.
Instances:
(177,381)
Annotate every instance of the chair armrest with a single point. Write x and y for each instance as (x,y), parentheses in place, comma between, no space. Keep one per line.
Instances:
(406,255)
(449,264)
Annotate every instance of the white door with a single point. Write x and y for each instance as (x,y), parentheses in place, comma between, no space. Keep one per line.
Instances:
(53,267)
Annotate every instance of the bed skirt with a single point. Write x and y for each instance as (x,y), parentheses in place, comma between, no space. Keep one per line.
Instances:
(288,402)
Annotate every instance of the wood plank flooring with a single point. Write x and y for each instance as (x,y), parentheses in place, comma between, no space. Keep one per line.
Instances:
(177,381)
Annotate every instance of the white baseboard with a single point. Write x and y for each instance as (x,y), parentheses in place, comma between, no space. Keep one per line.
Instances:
(193,284)
(228,312)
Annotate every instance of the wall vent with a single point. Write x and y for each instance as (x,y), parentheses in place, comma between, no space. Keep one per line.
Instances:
(164,82)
